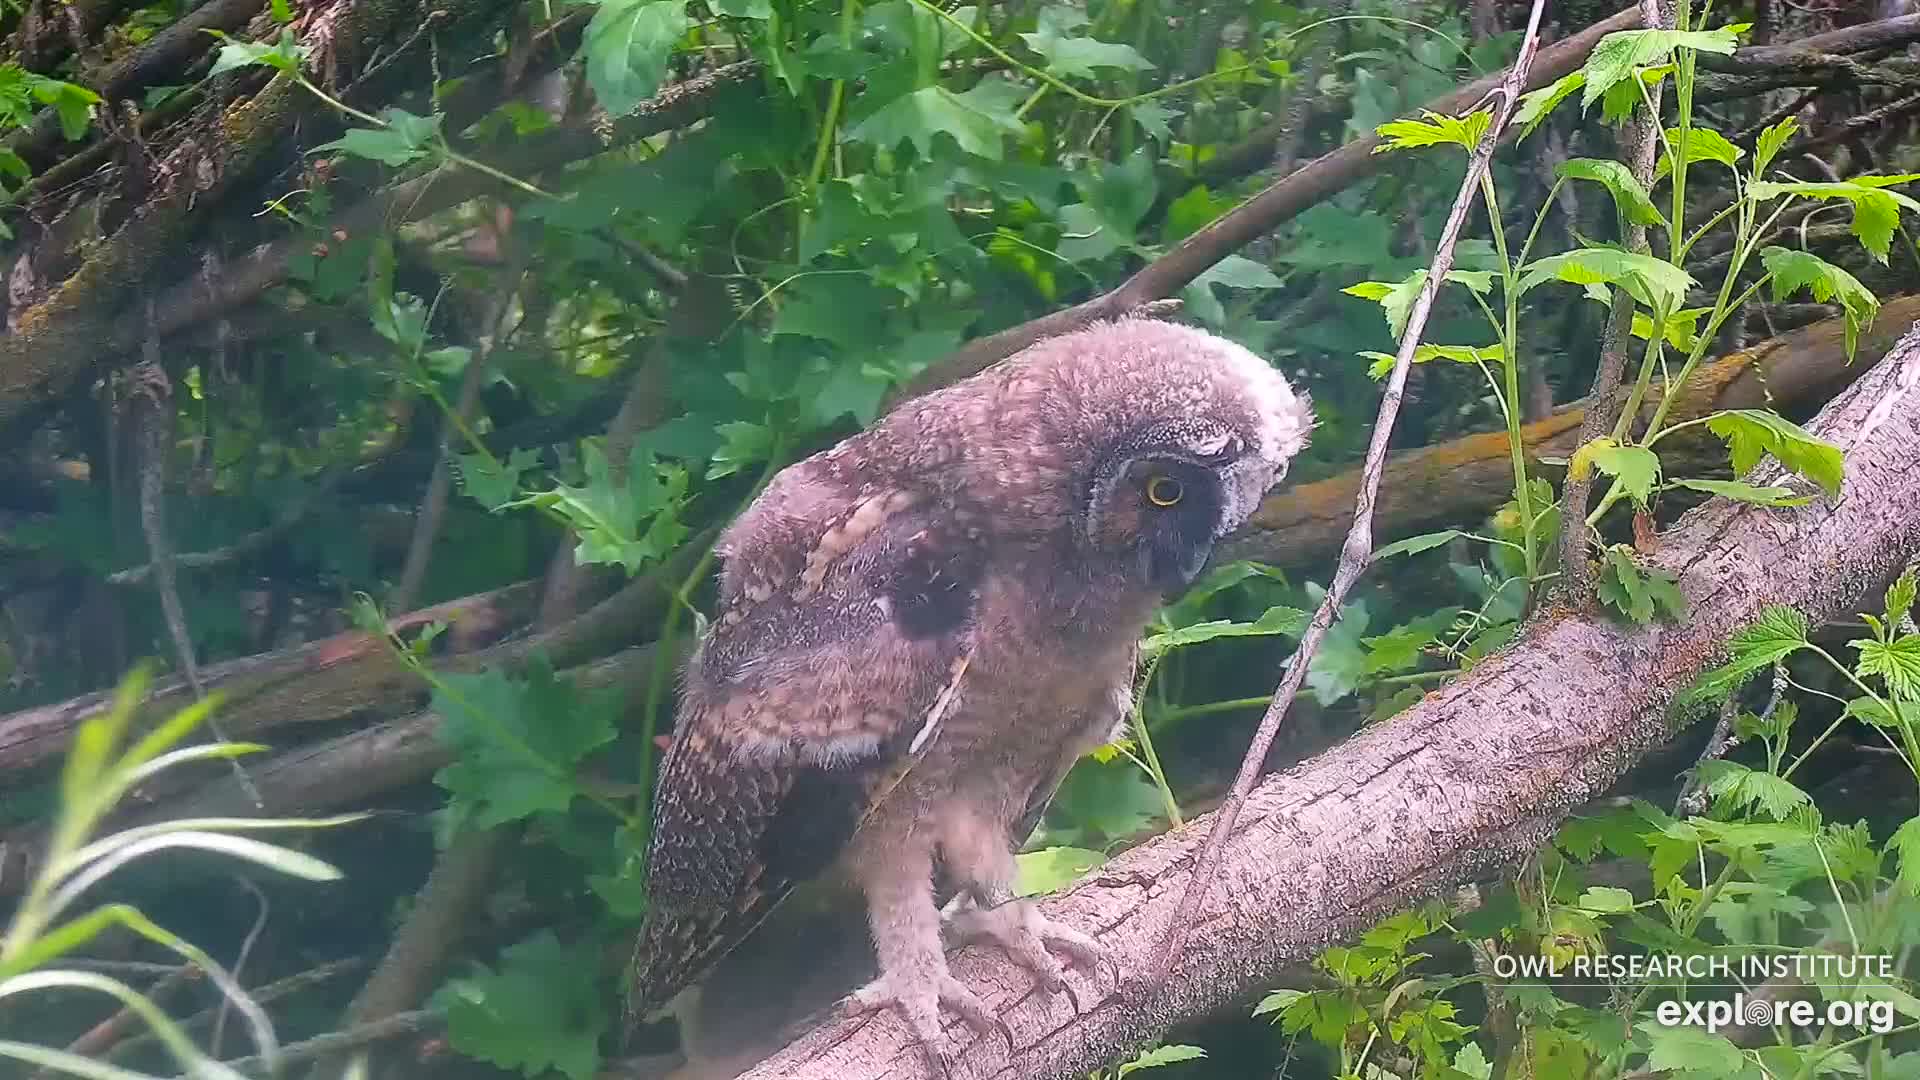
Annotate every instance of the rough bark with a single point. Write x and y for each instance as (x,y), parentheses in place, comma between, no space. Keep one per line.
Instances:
(1473,777)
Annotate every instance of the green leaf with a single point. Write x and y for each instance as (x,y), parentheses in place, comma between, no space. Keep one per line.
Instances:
(1630,200)
(1750,433)
(1277,1001)
(1905,842)
(1536,105)
(1459,354)
(1080,57)
(1795,270)
(1896,661)
(1736,786)
(1640,593)
(406,138)
(1239,272)
(1152,118)
(1413,545)
(1771,142)
(1900,596)
(1778,633)
(491,482)
(1740,491)
(1162,1055)
(1876,211)
(627,46)
(1690,1053)
(1435,129)
(1655,283)
(1280,620)
(1703,144)
(1052,869)
(1636,467)
(1681,327)
(1107,802)
(1616,56)
(519,741)
(1471,1062)
(542,1010)
(283,55)
(72,103)
(977,121)
(1234,272)
(1396,297)
(745,9)
(609,517)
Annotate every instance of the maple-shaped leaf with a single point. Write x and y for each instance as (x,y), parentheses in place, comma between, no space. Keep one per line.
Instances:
(519,740)
(977,121)
(541,1011)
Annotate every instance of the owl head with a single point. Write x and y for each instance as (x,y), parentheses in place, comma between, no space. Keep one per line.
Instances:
(1175,435)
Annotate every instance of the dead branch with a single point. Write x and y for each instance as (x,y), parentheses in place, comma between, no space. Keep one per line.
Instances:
(164,55)
(1292,194)
(1470,779)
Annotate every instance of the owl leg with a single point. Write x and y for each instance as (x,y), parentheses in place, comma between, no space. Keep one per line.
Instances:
(979,857)
(914,980)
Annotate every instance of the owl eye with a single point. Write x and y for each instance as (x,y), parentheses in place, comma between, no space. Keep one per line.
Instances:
(1164,491)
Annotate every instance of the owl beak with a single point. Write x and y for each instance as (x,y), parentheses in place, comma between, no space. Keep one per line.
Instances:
(1170,567)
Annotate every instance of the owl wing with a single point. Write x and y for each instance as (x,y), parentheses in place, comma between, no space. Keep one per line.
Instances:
(819,684)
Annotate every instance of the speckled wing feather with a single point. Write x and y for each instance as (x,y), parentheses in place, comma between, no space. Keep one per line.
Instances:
(843,635)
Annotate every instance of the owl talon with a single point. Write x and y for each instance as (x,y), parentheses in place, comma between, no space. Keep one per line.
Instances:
(917,1002)
(1018,927)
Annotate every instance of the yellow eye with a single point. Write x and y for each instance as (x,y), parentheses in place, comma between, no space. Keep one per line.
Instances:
(1164,491)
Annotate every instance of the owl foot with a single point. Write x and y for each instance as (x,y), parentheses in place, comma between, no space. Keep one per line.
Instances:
(1018,927)
(916,997)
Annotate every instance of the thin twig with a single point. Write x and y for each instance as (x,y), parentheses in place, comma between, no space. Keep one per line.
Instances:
(1641,143)
(433,505)
(241,548)
(265,995)
(1358,548)
(246,950)
(152,414)
(417,1022)
(104,1034)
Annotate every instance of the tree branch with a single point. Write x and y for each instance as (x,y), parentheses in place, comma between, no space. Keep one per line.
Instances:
(1470,779)
(1638,145)
(1456,481)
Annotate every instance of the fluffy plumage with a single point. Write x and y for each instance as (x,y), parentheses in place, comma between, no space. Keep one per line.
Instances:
(921,629)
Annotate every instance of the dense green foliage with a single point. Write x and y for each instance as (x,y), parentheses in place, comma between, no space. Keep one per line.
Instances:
(886,182)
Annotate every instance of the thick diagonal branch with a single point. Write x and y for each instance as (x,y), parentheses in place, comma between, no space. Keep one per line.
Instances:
(1472,777)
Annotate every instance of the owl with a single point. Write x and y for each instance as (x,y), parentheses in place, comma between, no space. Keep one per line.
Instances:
(920,630)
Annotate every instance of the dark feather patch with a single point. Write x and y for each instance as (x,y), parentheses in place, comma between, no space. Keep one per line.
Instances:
(815,821)
(932,587)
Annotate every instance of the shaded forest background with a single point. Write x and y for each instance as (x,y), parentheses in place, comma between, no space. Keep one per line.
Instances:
(351,342)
